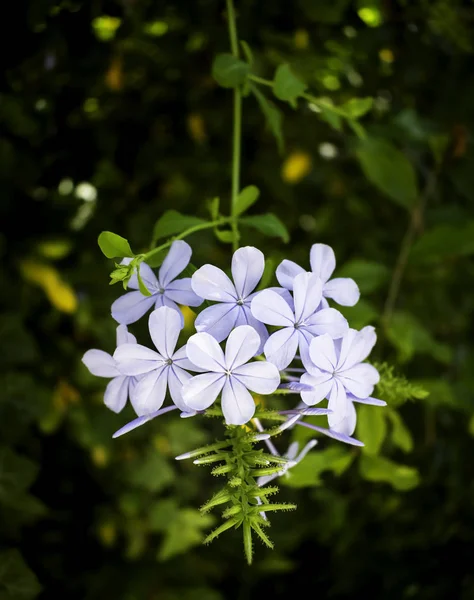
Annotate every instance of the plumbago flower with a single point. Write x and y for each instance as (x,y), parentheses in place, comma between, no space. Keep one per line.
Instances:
(102,364)
(229,374)
(337,372)
(300,323)
(233,308)
(323,262)
(165,289)
(160,370)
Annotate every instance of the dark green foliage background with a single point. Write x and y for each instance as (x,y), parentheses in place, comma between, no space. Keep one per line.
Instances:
(140,118)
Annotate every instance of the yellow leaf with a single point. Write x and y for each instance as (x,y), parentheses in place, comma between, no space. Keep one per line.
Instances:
(301,39)
(59,293)
(296,167)
(189,317)
(114,75)
(100,456)
(197,128)
(107,533)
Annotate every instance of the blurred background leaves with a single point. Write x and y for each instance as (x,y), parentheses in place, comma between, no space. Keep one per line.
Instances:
(109,116)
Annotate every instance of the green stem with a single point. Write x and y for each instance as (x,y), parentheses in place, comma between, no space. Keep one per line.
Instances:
(237,133)
(216,223)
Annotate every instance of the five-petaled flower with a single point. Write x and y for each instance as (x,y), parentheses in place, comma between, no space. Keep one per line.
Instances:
(165,289)
(337,373)
(159,370)
(300,324)
(323,262)
(234,299)
(102,364)
(228,373)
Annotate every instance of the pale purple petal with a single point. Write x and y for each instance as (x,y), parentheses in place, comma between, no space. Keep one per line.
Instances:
(323,261)
(286,272)
(142,420)
(322,387)
(135,359)
(328,320)
(245,317)
(285,294)
(304,340)
(131,306)
(360,380)
(180,358)
(247,269)
(100,363)
(180,291)
(165,326)
(201,391)
(261,377)
(148,276)
(238,405)
(123,336)
(370,400)
(163,300)
(270,308)
(175,262)
(307,294)
(356,346)
(341,437)
(177,377)
(212,283)
(322,353)
(281,346)
(150,392)
(348,424)
(116,393)
(204,351)
(342,290)
(242,345)
(218,320)
(337,403)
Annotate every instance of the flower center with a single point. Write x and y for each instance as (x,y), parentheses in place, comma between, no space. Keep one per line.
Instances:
(240,301)
(169,362)
(228,373)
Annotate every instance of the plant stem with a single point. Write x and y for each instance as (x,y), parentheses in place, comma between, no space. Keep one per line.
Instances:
(237,133)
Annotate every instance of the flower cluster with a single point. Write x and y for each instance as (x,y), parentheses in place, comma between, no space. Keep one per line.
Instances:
(308,350)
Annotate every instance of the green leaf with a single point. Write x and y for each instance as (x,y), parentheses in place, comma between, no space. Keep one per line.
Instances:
(151,472)
(184,532)
(229,71)
(227,237)
(444,242)
(268,224)
(369,275)
(213,207)
(401,435)
(16,472)
(173,222)
(156,260)
(273,116)
(377,468)
(362,314)
(371,428)
(357,107)
(247,197)
(389,170)
(308,472)
(286,86)
(141,284)
(114,246)
(16,578)
(330,117)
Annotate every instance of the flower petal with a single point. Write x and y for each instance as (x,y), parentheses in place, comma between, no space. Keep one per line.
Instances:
(212,283)
(242,345)
(238,405)
(180,359)
(175,262)
(323,261)
(142,420)
(163,300)
(248,264)
(281,346)
(327,320)
(123,336)
(135,359)
(177,377)
(245,317)
(286,272)
(180,291)
(146,273)
(261,377)
(164,325)
(307,294)
(360,380)
(342,290)
(100,363)
(116,393)
(356,347)
(150,391)
(322,387)
(270,308)
(201,391)
(217,320)
(348,424)
(337,404)
(371,401)
(204,351)
(322,353)
(131,306)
